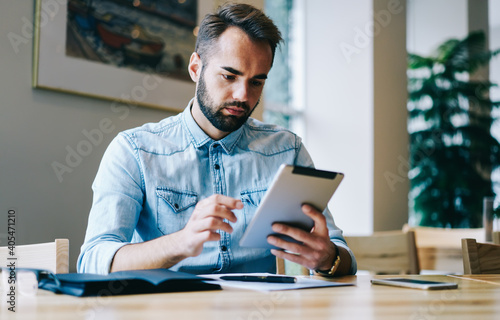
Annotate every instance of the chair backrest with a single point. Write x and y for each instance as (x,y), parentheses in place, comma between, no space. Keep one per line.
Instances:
(53,256)
(480,258)
(440,248)
(496,237)
(388,252)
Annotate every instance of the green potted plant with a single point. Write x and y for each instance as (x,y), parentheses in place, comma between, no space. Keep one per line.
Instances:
(452,150)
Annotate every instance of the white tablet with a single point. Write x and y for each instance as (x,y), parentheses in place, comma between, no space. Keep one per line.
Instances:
(292,186)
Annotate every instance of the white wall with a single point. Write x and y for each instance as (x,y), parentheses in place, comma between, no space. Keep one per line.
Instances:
(350,127)
(430,22)
(339,109)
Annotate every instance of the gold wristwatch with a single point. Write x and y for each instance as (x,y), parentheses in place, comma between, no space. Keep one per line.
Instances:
(334,268)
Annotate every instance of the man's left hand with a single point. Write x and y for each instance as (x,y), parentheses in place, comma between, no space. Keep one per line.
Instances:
(315,252)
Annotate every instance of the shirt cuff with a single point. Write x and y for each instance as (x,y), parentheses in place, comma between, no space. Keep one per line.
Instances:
(98,259)
(354,265)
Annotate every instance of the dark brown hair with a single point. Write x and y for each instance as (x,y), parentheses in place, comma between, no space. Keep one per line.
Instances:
(251,20)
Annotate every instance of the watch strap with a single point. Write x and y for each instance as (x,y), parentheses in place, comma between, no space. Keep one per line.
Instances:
(332,271)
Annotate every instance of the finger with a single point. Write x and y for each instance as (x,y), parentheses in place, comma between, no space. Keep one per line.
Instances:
(318,218)
(216,206)
(286,245)
(293,232)
(214,224)
(213,210)
(224,205)
(221,211)
(309,243)
(230,203)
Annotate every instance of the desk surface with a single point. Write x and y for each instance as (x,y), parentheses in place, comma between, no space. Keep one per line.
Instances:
(488,278)
(473,299)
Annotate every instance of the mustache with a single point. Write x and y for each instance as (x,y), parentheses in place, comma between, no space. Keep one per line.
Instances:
(238,104)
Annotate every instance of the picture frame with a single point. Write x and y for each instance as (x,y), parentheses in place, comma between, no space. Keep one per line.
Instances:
(53,69)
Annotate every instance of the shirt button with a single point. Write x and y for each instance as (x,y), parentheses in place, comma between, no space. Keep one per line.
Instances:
(223,248)
(217,167)
(216,145)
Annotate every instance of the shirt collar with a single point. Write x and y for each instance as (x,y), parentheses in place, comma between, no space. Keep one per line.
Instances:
(200,138)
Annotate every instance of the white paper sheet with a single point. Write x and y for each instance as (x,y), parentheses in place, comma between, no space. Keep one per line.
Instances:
(303,282)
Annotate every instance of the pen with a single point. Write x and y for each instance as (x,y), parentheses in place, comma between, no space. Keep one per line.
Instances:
(275,279)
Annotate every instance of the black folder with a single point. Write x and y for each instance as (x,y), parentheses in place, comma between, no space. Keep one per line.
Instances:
(123,282)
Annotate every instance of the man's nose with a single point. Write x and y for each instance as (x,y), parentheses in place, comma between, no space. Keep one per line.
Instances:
(240,92)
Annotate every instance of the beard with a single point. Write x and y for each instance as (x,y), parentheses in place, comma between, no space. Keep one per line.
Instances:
(225,123)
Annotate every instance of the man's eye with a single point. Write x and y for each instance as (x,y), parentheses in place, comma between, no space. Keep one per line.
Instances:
(228,77)
(257,83)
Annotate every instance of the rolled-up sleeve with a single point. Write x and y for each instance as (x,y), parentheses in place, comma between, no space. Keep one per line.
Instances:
(117,203)
(338,239)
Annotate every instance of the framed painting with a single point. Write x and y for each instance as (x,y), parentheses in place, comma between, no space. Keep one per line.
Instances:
(130,51)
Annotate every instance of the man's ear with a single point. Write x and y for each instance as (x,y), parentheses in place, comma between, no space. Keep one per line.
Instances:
(194,67)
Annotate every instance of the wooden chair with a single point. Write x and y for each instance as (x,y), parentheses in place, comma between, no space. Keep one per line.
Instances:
(53,256)
(480,258)
(290,268)
(441,248)
(496,237)
(388,252)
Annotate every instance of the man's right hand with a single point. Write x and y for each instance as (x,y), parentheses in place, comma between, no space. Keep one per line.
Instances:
(209,215)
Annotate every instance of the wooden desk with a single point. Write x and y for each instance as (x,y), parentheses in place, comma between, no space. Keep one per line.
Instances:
(488,278)
(473,300)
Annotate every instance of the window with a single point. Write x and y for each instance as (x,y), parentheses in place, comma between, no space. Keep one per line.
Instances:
(284,90)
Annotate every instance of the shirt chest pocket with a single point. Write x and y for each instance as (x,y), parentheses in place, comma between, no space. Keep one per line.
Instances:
(174,208)
(251,200)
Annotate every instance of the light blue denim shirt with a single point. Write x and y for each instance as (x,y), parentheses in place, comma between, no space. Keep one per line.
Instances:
(151,178)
